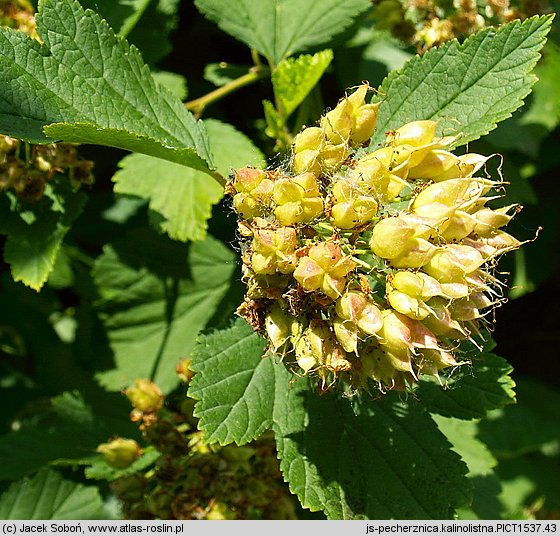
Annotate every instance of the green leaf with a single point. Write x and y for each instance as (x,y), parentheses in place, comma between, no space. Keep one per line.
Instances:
(350,459)
(280,28)
(181,198)
(65,432)
(101,470)
(154,300)
(274,123)
(472,390)
(121,15)
(49,496)
(294,78)
(35,231)
(85,85)
(152,33)
(382,459)
(234,385)
(526,480)
(223,73)
(467,87)
(463,436)
(526,427)
(145,23)
(175,83)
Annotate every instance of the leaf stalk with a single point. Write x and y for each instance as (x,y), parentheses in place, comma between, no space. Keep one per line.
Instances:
(197,106)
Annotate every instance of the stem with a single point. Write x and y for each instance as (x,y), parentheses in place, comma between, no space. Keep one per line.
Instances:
(197,106)
(255,58)
(218,177)
(362,263)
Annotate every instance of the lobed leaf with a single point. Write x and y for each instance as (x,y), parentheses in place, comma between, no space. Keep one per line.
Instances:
(471,391)
(280,28)
(527,426)
(154,300)
(294,78)
(374,459)
(468,87)
(35,232)
(181,198)
(463,436)
(382,459)
(49,496)
(234,385)
(84,84)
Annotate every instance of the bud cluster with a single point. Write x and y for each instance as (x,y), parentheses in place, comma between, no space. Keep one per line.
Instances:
(26,169)
(370,268)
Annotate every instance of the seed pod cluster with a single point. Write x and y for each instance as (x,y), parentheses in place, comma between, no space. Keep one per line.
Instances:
(370,268)
(191,479)
(429,23)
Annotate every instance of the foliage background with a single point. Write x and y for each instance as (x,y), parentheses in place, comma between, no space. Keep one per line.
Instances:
(58,341)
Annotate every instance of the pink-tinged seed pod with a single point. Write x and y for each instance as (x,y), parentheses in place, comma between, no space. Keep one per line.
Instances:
(274,251)
(325,269)
(357,317)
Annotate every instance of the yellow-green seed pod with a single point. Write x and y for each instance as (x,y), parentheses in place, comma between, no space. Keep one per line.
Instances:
(307,161)
(337,124)
(365,120)
(432,361)
(277,324)
(311,138)
(452,262)
(416,284)
(407,305)
(120,453)
(435,163)
(416,133)
(331,156)
(488,220)
(467,165)
(298,198)
(351,214)
(145,396)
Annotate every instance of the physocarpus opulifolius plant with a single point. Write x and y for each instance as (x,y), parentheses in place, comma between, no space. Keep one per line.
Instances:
(370,268)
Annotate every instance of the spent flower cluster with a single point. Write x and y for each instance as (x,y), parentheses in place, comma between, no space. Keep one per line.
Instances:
(429,23)
(191,479)
(26,169)
(370,268)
